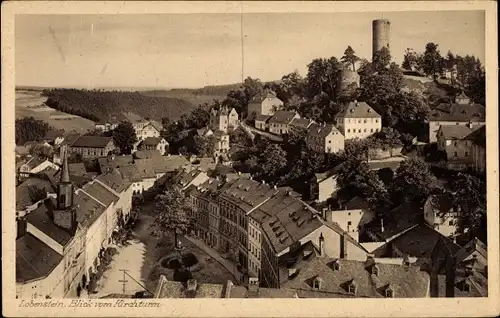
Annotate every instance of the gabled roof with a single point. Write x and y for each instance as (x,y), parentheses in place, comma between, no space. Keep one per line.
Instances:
(114,180)
(53,134)
(40,219)
(259,98)
(70,139)
(358,110)
(458,112)
(474,246)
(301,122)
(318,130)
(34,259)
(24,192)
(134,118)
(405,282)
(263,118)
(88,210)
(420,241)
(456,132)
(100,193)
(152,141)
(478,136)
(158,126)
(247,194)
(282,117)
(147,154)
(92,142)
(35,162)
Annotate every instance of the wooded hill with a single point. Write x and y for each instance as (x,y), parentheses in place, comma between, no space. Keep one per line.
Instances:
(99,105)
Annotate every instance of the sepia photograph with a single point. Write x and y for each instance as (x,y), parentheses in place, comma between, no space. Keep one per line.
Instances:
(240,154)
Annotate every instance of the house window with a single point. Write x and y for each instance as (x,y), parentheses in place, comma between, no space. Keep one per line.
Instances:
(359,130)
(466,153)
(349,222)
(455,154)
(364,130)
(364,121)
(348,130)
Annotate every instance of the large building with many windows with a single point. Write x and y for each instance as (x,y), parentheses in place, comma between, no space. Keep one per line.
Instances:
(358,120)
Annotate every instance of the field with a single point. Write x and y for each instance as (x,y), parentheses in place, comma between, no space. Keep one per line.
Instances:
(31,103)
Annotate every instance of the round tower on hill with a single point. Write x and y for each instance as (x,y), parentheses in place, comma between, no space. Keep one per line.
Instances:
(346,78)
(381,31)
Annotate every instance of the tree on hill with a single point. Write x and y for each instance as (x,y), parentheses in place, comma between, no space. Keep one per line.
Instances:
(30,129)
(198,117)
(42,150)
(322,76)
(406,111)
(413,182)
(124,137)
(171,214)
(411,60)
(349,58)
(381,59)
(270,162)
(469,193)
(432,61)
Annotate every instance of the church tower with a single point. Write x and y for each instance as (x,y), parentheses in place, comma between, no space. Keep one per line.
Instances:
(65,212)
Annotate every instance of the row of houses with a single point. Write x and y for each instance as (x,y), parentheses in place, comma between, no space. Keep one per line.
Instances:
(355,120)
(60,242)
(144,128)
(282,242)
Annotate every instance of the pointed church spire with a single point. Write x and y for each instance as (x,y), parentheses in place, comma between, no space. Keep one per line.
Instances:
(65,169)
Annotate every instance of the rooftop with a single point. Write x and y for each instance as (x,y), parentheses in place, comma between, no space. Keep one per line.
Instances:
(358,110)
(456,132)
(100,193)
(26,192)
(336,275)
(259,98)
(92,142)
(263,118)
(34,259)
(282,117)
(152,141)
(318,130)
(247,193)
(301,122)
(459,112)
(40,218)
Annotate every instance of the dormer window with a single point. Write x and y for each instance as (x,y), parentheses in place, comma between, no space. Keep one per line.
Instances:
(317,282)
(352,288)
(336,266)
(389,293)
(375,270)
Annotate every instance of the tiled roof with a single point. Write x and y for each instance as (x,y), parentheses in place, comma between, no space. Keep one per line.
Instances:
(114,180)
(24,191)
(70,139)
(100,193)
(420,241)
(34,259)
(458,112)
(158,126)
(474,246)
(259,98)
(147,154)
(35,162)
(173,289)
(40,219)
(151,141)
(260,292)
(398,220)
(278,202)
(456,132)
(301,122)
(77,169)
(114,162)
(203,131)
(282,117)
(358,110)
(332,172)
(318,130)
(478,286)
(291,225)
(247,194)
(87,209)
(263,118)
(405,282)
(385,164)
(478,136)
(92,142)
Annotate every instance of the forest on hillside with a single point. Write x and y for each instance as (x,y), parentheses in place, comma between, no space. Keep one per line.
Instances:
(99,105)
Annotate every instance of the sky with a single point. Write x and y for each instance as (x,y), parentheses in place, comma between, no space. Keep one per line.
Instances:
(195,50)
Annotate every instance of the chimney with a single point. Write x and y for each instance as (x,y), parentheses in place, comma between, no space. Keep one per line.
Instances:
(469,124)
(275,187)
(321,243)
(263,182)
(382,225)
(324,212)
(191,288)
(253,284)
(343,246)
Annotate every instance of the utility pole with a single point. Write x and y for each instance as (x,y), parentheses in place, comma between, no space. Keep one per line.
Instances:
(124,280)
